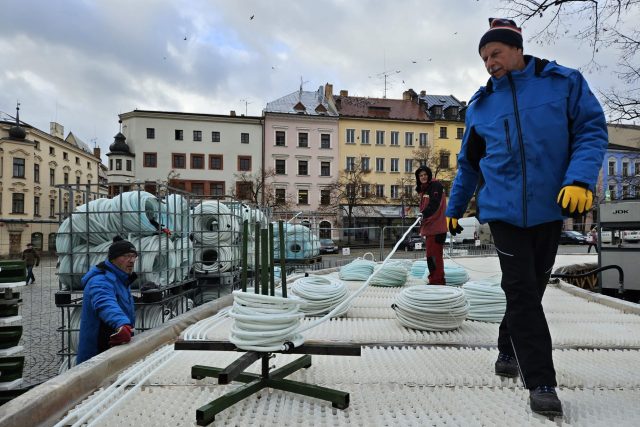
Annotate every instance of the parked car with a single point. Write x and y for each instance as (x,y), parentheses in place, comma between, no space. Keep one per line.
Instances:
(409,242)
(328,246)
(571,237)
(631,236)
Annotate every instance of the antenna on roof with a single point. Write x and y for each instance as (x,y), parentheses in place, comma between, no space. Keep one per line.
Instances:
(302,82)
(246,102)
(17,113)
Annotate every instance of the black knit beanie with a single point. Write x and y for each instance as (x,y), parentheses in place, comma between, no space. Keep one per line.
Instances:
(121,247)
(429,176)
(502,30)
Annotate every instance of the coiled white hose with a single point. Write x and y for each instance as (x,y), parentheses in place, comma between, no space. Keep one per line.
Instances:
(132,212)
(157,260)
(487,302)
(216,259)
(175,214)
(455,275)
(391,275)
(150,316)
(357,270)
(320,294)
(419,269)
(431,308)
(214,224)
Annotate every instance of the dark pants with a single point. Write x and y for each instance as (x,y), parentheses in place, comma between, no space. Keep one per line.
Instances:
(435,263)
(526,259)
(589,248)
(30,275)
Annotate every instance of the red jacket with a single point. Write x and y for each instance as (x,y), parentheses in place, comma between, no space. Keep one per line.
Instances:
(432,206)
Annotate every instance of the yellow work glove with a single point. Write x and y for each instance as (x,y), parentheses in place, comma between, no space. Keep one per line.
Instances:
(454,227)
(575,200)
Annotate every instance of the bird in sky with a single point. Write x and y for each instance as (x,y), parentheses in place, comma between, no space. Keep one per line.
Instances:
(251,17)
(414,62)
(185,37)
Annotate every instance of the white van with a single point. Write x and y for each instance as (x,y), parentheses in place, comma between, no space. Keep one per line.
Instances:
(471,230)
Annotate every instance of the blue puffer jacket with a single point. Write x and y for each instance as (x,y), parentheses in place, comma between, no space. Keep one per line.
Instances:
(528,134)
(107,304)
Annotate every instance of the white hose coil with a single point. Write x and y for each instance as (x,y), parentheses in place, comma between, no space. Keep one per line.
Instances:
(391,275)
(214,224)
(216,259)
(320,294)
(132,211)
(357,270)
(487,302)
(431,308)
(175,214)
(419,269)
(454,275)
(151,316)
(157,260)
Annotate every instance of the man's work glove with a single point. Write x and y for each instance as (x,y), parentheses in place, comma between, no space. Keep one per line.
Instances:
(454,227)
(122,335)
(575,199)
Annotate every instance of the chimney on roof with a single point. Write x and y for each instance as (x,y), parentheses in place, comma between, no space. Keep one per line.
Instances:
(423,93)
(56,130)
(232,113)
(328,91)
(96,152)
(344,93)
(406,96)
(464,103)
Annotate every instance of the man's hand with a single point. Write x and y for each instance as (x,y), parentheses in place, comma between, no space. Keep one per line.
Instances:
(454,227)
(122,335)
(575,199)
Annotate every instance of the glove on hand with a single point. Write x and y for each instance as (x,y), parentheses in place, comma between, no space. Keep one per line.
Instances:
(454,227)
(122,335)
(575,199)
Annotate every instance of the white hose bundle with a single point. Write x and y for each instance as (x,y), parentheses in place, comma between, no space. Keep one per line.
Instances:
(419,269)
(265,323)
(180,305)
(320,294)
(73,266)
(393,274)
(487,302)
(214,224)
(150,316)
(157,260)
(88,222)
(299,242)
(175,214)
(74,327)
(455,275)
(431,308)
(358,269)
(132,212)
(216,259)
(185,257)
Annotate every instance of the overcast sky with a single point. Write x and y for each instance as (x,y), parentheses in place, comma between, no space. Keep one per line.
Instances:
(82,62)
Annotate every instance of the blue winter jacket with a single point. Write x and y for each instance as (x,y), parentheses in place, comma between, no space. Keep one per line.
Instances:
(107,304)
(528,134)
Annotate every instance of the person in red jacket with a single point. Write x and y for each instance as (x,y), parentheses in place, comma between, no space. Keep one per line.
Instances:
(434,225)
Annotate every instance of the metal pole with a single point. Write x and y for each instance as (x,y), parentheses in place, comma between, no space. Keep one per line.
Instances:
(256,265)
(283,262)
(245,251)
(264,264)
(272,278)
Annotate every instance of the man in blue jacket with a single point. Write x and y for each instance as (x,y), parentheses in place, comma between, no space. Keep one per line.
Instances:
(533,146)
(108,313)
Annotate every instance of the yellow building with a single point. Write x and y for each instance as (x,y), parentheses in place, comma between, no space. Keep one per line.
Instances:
(391,138)
(32,163)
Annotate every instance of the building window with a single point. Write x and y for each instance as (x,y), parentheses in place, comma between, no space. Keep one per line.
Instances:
(244,138)
(303,197)
(325,197)
(244,190)
(179,134)
(379,190)
(325,168)
(281,196)
(88,165)
(364,163)
(215,162)
(244,163)
(197,162)
(408,139)
(118,164)
(65,156)
(351,164)
(408,190)
(215,136)
(197,188)
(365,190)
(612,167)
(303,139)
(459,133)
(443,132)
(280,138)
(395,137)
(444,160)
(395,191)
(150,160)
(636,168)
(379,164)
(52,151)
(325,140)
(18,167)
(350,189)
(351,136)
(424,139)
(36,173)
(129,165)
(216,188)
(394,165)
(612,191)
(303,167)
(625,191)
(36,206)
(66,178)
(379,137)
(625,168)
(178,161)
(17,203)
(281,167)
(111,164)
(151,133)
(77,160)
(365,136)
(78,181)
(408,165)
(52,177)
(52,208)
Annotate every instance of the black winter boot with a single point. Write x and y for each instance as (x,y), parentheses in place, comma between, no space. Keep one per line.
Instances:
(506,366)
(544,400)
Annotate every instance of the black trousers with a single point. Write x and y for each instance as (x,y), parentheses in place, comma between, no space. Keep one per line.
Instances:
(526,259)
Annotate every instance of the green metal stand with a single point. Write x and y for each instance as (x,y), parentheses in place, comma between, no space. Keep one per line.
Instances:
(267,378)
